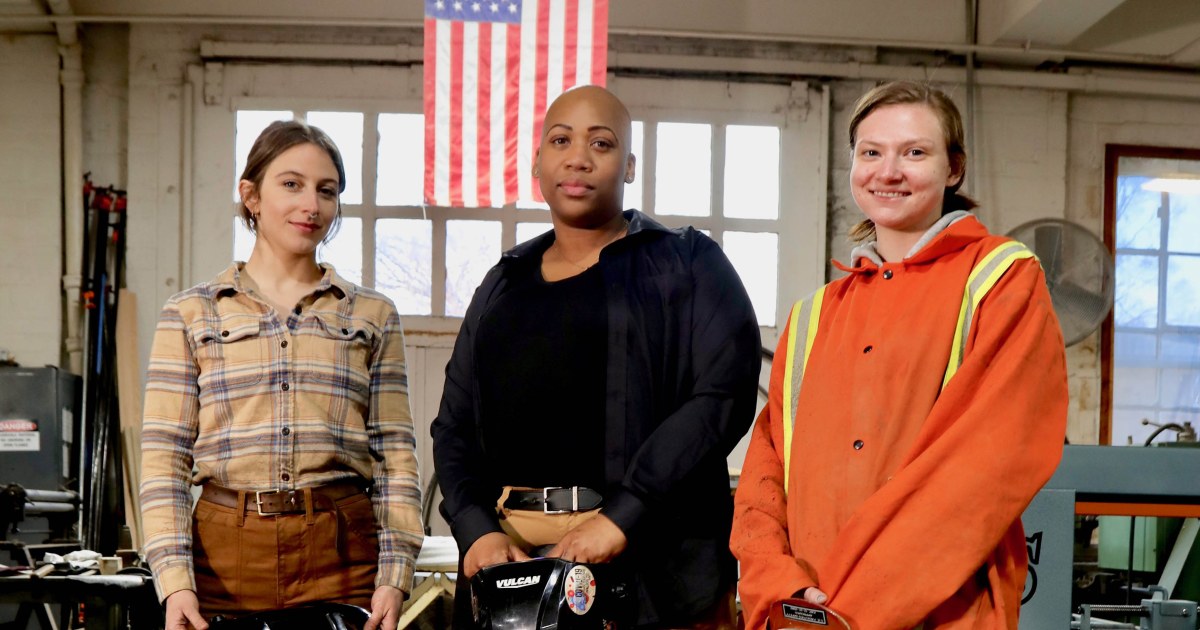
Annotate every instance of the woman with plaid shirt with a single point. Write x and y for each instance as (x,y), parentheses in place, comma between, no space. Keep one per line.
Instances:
(284,385)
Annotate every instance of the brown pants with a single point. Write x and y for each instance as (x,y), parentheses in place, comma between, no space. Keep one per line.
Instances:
(246,563)
(531,528)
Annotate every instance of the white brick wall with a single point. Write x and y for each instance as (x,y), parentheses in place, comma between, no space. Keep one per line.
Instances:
(1020,156)
(106,104)
(158,58)
(31,203)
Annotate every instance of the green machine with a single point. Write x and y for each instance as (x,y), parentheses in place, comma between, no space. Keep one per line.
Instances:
(1168,548)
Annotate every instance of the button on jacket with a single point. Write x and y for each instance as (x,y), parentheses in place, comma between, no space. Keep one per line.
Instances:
(260,403)
(682,369)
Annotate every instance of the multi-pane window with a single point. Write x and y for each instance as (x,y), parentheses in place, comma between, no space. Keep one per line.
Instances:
(1156,316)
(722,178)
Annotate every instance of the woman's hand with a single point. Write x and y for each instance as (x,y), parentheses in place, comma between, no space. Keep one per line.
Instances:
(814,595)
(489,549)
(183,612)
(597,539)
(386,605)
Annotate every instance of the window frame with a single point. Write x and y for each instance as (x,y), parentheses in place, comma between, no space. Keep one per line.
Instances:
(1113,153)
(800,224)
(801,111)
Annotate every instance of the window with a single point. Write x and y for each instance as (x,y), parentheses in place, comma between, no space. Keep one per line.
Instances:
(468,241)
(714,158)
(720,173)
(1153,219)
(772,226)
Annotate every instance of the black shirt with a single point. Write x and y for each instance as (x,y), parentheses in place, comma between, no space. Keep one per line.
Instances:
(542,345)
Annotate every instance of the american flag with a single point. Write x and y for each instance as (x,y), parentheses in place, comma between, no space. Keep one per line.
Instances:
(491,69)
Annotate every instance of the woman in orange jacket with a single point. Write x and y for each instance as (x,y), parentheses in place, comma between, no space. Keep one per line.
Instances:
(916,405)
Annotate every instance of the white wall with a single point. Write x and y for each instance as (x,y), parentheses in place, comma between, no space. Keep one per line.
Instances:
(157,60)
(106,104)
(30,200)
(1039,153)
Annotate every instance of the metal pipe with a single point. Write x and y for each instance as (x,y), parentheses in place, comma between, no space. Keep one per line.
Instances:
(71,78)
(195,76)
(39,507)
(1019,51)
(68,31)
(1168,86)
(57,496)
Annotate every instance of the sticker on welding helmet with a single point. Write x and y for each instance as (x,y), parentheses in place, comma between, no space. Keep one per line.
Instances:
(805,614)
(580,589)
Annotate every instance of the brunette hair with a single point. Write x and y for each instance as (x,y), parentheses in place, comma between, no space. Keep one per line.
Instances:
(278,137)
(909,92)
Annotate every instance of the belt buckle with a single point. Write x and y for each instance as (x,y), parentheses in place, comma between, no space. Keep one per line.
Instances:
(258,501)
(546,500)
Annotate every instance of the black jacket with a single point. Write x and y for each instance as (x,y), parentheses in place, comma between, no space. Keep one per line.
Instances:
(683,365)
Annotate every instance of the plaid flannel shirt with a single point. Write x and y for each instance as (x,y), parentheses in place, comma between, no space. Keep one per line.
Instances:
(262,404)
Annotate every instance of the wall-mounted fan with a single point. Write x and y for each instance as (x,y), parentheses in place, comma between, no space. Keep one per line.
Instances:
(1079,273)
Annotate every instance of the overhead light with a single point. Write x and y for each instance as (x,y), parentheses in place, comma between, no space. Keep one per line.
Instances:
(1180,185)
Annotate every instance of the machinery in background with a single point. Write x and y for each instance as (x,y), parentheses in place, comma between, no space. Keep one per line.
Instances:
(39,469)
(1112,540)
(1156,613)
(59,509)
(39,461)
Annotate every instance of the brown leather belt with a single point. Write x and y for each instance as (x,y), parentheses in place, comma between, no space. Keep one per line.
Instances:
(271,502)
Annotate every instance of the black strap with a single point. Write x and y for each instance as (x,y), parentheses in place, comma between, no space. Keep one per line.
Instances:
(554,500)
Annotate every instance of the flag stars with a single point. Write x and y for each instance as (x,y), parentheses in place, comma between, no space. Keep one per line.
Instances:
(495,7)
(512,7)
(458,6)
(475,7)
(440,5)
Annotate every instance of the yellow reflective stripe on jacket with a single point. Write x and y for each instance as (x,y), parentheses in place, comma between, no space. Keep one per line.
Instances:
(805,316)
(986,273)
(802,324)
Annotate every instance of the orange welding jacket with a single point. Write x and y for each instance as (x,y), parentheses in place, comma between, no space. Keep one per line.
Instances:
(904,488)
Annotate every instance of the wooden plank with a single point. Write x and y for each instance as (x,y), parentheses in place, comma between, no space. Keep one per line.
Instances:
(129,393)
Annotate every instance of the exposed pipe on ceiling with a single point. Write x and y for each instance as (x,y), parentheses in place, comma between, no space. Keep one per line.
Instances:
(1027,53)
(71,78)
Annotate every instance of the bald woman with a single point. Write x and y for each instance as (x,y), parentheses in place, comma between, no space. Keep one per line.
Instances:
(603,372)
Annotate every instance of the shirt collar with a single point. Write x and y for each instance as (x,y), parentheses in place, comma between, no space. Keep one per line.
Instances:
(234,280)
(952,232)
(638,222)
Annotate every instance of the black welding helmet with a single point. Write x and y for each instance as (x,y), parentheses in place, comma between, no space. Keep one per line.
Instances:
(550,593)
(317,617)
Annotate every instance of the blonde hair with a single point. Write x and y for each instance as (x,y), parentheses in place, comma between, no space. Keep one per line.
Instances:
(909,92)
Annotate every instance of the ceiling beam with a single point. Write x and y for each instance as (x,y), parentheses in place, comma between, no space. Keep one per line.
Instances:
(1040,22)
(68,33)
(1189,53)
